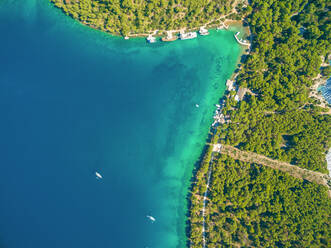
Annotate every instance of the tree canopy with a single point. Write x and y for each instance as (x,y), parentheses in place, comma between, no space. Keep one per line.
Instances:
(249,205)
(142,16)
(255,206)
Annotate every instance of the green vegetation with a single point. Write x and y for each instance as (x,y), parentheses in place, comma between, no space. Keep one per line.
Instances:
(326,71)
(250,205)
(141,16)
(280,120)
(255,206)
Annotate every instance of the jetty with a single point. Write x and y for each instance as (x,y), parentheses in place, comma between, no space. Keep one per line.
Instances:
(240,41)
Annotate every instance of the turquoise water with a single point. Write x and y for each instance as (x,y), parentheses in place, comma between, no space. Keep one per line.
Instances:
(74,101)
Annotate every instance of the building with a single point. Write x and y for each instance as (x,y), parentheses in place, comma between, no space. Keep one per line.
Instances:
(240,94)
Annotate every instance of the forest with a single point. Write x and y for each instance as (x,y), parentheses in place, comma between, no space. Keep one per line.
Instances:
(254,206)
(279,119)
(125,17)
(249,205)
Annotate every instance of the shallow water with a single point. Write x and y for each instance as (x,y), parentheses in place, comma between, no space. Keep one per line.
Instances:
(74,101)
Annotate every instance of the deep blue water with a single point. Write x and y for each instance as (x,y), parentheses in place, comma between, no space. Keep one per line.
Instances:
(74,101)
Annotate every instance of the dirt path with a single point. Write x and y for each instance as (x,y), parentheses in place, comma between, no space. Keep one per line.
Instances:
(293,170)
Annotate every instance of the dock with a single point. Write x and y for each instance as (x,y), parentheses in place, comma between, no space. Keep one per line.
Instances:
(241,42)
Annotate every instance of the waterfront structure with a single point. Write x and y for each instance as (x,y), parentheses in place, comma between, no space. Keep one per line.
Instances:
(241,41)
(240,94)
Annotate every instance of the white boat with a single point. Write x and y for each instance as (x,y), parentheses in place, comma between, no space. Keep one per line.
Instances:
(151,218)
(98,175)
(151,39)
(187,36)
(197,105)
(203,31)
(126,37)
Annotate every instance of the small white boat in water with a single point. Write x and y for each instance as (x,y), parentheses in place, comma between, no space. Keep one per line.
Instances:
(187,36)
(197,105)
(151,218)
(151,39)
(98,175)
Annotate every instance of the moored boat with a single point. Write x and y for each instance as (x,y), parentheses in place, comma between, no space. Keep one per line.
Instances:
(151,39)
(203,31)
(187,36)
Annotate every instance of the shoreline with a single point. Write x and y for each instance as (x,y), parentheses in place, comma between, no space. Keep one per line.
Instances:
(205,172)
(222,21)
(208,149)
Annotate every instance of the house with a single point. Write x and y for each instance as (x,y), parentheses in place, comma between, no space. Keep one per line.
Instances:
(240,94)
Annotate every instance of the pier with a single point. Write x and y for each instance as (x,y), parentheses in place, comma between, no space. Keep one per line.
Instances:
(241,42)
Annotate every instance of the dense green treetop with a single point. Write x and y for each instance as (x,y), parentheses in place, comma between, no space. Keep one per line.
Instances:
(279,119)
(141,16)
(249,205)
(255,206)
